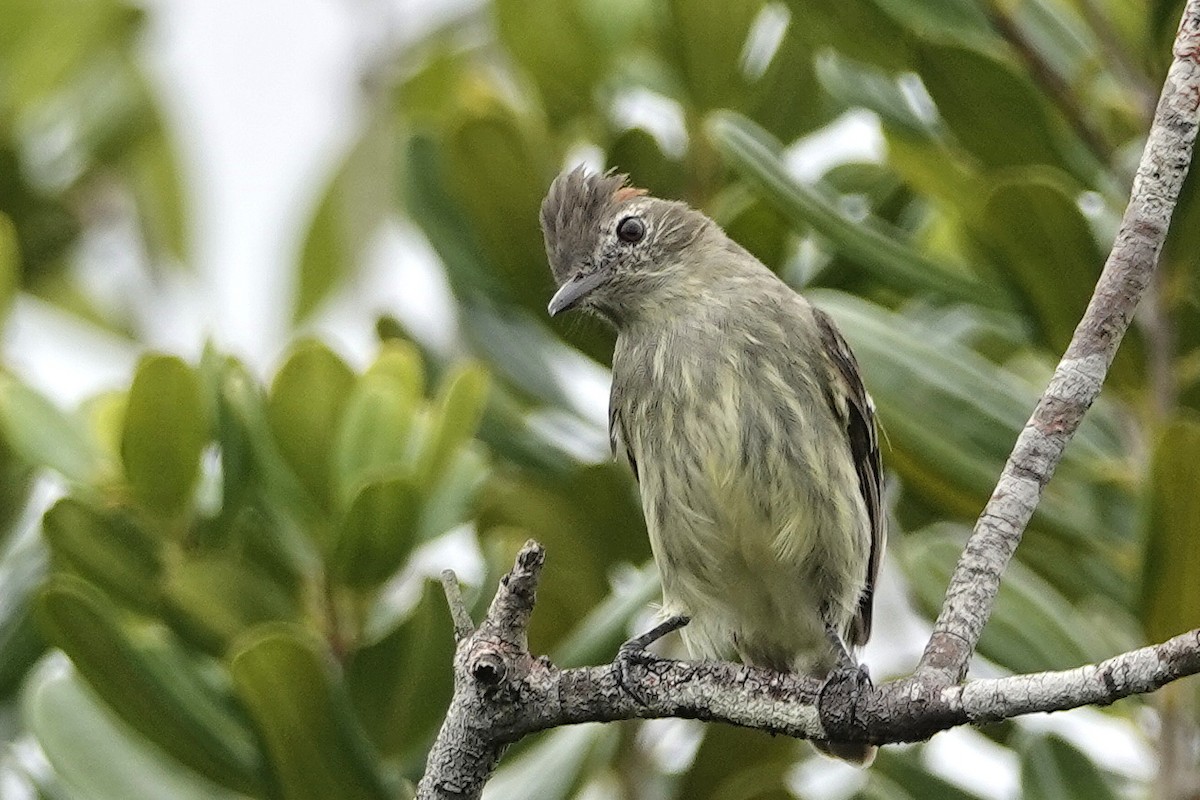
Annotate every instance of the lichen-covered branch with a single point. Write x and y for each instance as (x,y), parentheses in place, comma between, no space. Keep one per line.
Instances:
(1082,370)
(502,693)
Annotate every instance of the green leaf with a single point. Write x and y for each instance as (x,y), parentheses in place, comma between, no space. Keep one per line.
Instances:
(16,480)
(378,531)
(606,627)
(151,694)
(706,41)
(950,418)
(44,436)
(375,436)
(1171,569)
(550,40)
(456,416)
(734,762)
(994,111)
(212,599)
(589,521)
(305,410)
(401,684)
(1033,627)
(155,172)
(1044,248)
(498,170)
(1054,769)
(316,747)
(872,244)
(904,773)
(95,753)
(109,549)
(250,455)
(166,429)
(22,571)
(555,767)
(349,213)
(10,263)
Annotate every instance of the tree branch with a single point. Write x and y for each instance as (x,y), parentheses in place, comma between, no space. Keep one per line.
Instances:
(502,693)
(1082,370)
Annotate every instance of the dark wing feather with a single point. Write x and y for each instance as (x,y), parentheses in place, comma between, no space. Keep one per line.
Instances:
(859,414)
(616,432)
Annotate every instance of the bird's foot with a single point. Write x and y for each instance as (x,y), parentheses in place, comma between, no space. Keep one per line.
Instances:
(634,653)
(848,677)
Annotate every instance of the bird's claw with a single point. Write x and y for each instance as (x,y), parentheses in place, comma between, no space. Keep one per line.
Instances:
(634,653)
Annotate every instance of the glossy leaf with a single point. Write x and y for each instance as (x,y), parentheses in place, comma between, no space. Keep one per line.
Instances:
(376,433)
(1043,246)
(348,214)
(1171,567)
(305,410)
(166,429)
(589,522)
(22,571)
(250,453)
(489,156)
(456,415)
(556,51)
(316,747)
(1032,628)
(16,480)
(110,549)
(151,695)
(870,244)
(909,780)
(707,41)
(555,767)
(401,684)
(740,763)
(213,599)
(598,635)
(378,531)
(950,418)
(10,263)
(992,108)
(45,436)
(96,753)
(1054,769)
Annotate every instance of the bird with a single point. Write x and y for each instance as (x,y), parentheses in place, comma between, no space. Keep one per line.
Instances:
(741,411)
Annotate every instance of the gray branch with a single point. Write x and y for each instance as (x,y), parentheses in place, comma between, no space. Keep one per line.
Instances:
(1082,370)
(502,692)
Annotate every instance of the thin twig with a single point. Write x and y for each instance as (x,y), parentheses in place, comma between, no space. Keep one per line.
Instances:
(1079,375)
(1054,83)
(463,626)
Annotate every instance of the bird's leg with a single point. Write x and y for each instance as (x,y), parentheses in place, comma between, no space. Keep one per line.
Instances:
(634,652)
(847,675)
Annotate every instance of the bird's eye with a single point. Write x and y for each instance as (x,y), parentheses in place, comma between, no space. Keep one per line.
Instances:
(631,229)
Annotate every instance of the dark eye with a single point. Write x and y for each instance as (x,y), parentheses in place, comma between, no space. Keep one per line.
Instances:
(631,229)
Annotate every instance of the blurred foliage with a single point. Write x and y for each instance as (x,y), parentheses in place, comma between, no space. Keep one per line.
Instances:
(228,597)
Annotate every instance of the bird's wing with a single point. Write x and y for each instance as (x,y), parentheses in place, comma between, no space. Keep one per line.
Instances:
(854,406)
(616,432)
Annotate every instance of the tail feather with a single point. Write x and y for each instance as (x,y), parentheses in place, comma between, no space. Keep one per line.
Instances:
(859,754)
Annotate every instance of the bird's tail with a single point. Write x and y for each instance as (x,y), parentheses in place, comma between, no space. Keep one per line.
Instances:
(859,754)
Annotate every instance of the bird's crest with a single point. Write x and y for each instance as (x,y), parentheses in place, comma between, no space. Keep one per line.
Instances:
(577,200)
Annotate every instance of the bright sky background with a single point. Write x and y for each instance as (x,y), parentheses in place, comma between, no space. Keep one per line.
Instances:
(262,97)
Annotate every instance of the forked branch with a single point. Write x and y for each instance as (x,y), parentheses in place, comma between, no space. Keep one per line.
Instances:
(503,693)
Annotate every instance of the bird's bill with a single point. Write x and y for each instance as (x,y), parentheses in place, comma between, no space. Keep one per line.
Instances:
(573,291)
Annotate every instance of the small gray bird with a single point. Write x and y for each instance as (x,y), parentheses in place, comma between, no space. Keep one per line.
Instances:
(740,410)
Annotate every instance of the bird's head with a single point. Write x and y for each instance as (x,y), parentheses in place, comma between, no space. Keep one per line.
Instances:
(617,252)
